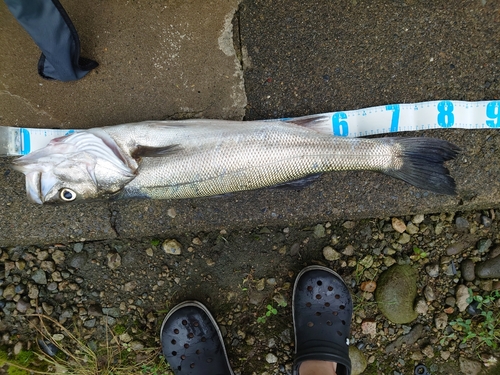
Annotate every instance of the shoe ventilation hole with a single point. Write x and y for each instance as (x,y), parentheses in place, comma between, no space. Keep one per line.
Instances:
(310,324)
(176,331)
(209,360)
(337,296)
(309,288)
(318,296)
(318,313)
(341,307)
(330,288)
(327,304)
(203,339)
(184,322)
(191,365)
(335,313)
(319,282)
(190,335)
(308,304)
(198,351)
(339,333)
(328,323)
(174,353)
(179,368)
(183,357)
(343,322)
(173,342)
(196,324)
(186,346)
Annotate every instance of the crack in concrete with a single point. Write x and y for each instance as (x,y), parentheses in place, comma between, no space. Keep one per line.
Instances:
(27,103)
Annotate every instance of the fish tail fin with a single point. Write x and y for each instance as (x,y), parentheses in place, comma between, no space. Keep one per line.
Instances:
(420,163)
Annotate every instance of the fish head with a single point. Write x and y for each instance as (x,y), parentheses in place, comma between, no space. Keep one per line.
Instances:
(75,167)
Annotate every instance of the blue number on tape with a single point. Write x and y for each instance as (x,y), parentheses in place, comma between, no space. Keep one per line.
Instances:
(340,127)
(445,117)
(493,112)
(395,116)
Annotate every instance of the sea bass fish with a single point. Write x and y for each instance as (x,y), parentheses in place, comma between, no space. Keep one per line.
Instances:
(197,158)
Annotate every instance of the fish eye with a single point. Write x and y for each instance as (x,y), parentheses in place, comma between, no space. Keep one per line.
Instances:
(67,195)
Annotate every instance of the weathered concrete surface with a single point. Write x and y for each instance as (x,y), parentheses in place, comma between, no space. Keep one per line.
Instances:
(158,60)
(299,58)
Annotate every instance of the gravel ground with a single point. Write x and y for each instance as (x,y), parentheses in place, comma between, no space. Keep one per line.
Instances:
(130,285)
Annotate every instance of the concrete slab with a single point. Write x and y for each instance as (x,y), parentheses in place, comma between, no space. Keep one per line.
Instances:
(157,59)
(299,58)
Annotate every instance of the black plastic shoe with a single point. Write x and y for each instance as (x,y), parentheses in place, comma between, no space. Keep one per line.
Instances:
(322,312)
(192,343)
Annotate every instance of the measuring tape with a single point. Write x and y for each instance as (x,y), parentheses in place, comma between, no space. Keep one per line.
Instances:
(356,123)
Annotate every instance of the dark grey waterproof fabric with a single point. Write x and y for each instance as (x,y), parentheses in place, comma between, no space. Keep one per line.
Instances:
(52,30)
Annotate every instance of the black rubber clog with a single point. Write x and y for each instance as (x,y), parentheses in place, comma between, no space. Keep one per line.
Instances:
(192,342)
(322,312)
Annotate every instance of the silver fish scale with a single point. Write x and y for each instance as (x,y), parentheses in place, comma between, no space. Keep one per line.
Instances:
(252,160)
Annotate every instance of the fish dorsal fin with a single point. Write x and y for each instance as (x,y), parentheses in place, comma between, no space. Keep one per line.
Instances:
(313,122)
(155,152)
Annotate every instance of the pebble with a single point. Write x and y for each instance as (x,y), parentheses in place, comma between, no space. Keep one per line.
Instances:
(149,252)
(421,307)
(114,260)
(412,228)
(462,295)
(58,256)
(358,360)
(78,247)
(441,321)
(89,323)
(330,254)
(398,225)
(369,327)
(456,248)
(467,267)
(483,245)
(408,339)
(349,250)
(429,293)
(445,354)
(172,213)
(432,269)
(22,306)
(368,286)
(112,311)
(18,347)
(428,351)
(461,223)
(489,269)
(469,367)
(78,260)
(349,224)
(172,247)
(271,358)
(9,292)
(367,261)
(319,231)
(136,345)
(404,238)
(417,219)
(39,277)
(294,249)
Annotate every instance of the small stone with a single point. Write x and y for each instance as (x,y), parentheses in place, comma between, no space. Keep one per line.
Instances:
(441,321)
(210,262)
(439,228)
(330,254)
(367,261)
(421,307)
(417,219)
(58,256)
(369,327)
(48,266)
(89,323)
(196,241)
(114,260)
(494,253)
(368,286)
(486,221)
(469,367)
(39,277)
(22,306)
(33,291)
(445,354)
(432,269)
(319,231)
(78,247)
(294,249)
(429,293)
(149,252)
(271,281)
(358,360)
(398,225)
(260,285)
(428,351)
(112,311)
(489,269)
(18,347)
(58,337)
(412,228)
(47,308)
(389,261)
(94,310)
(483,245)
(462,294)
(456,248)
(404,238)
(136,346)
(129,286)
(172,213)
(271,358)
(349,224)
(78,260)
(467,267)
(450,301)
(461,223)
(9,292)
(349,250)
(172,247)
(125,337)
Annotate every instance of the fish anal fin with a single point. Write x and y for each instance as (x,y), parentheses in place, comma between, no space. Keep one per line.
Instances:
(155,152)
(297,184)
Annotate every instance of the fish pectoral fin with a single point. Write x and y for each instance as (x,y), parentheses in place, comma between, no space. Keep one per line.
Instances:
(313,122)
(154,152)
(297,184)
